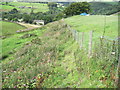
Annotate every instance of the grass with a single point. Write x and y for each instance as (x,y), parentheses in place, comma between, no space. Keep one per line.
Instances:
(38,7)
(13,43)
(10,28)
(56,61)
(94,23)
(39,45)
(6,8)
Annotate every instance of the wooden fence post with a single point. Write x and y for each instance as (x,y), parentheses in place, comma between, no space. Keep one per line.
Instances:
(77,37)
(82,38)
(74,34)
(90,45)
(113,46)
(1,76)
(118,73)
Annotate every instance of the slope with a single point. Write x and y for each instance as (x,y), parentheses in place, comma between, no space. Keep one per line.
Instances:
(53,60)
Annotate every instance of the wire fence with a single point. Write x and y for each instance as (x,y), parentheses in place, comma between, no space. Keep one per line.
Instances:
(102,45)
(87,42)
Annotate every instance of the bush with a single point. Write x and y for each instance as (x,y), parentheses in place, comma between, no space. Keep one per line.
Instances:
(13,11)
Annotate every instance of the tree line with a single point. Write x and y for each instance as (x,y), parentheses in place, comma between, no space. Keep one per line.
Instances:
(56,13)
(102,8)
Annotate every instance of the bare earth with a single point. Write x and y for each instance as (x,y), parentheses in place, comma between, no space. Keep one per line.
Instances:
(28,26)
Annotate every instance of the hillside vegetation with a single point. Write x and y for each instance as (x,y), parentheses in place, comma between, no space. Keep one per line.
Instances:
(55,60)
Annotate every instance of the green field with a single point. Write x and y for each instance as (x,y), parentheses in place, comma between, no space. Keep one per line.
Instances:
(38,7)
(10,28)
(6,8)
(95,23)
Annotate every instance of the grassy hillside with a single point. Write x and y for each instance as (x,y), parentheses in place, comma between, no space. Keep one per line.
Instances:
(95,23)
(38,7)
(10,28)
(55,61)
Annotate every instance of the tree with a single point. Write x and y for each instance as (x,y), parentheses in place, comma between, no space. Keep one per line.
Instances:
(59,16)
(52,5)
(77,8)
(27,18)
(6,3)
(13,11)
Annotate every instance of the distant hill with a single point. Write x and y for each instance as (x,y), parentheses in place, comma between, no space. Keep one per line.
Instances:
(98,8)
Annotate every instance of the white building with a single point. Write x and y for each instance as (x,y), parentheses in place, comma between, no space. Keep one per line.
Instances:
(39,22)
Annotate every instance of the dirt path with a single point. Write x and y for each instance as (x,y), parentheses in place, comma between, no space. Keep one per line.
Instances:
(28,26)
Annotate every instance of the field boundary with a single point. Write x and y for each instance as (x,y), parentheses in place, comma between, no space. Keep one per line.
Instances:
(79,38)
(114,43)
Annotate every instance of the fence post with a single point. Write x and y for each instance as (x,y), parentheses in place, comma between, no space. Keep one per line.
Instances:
(74,33)
(113,46)
(90,45)
(82,38)
(77,37)
(118,73)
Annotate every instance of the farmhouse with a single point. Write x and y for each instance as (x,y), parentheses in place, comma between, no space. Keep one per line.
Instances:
(39,22)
